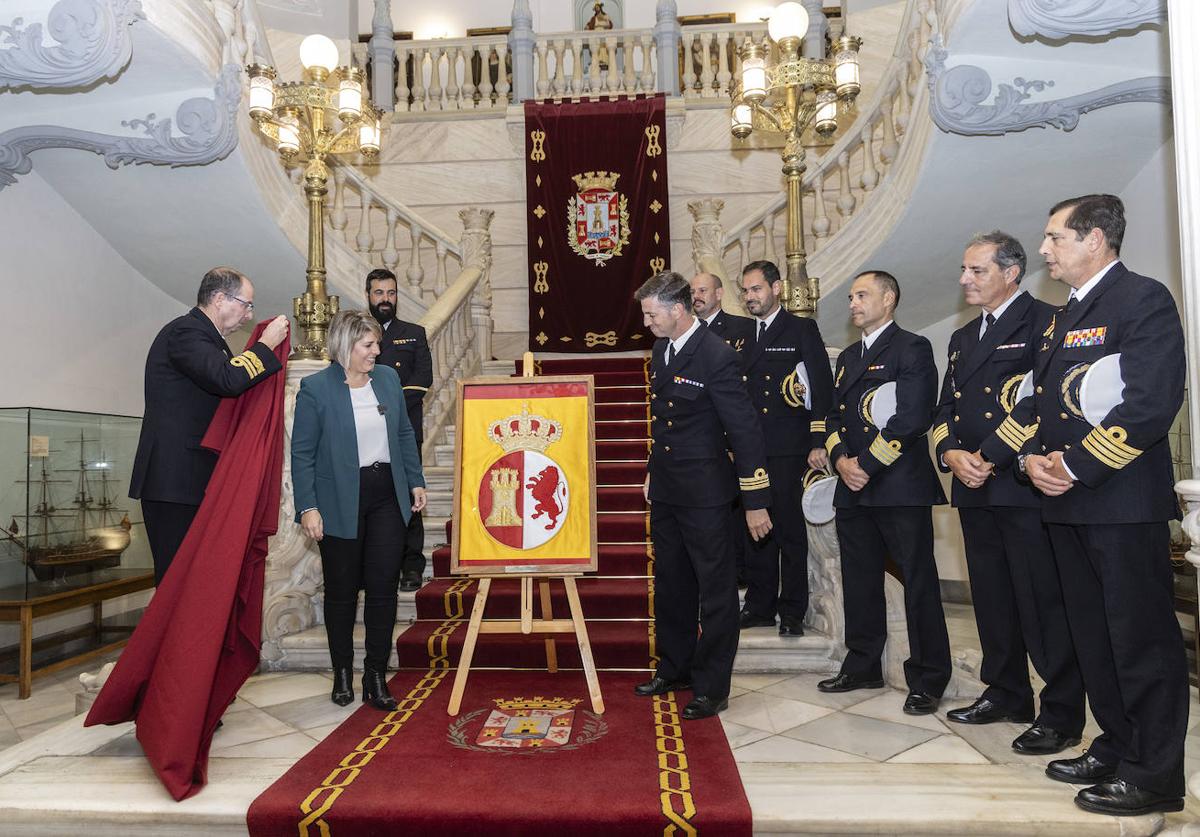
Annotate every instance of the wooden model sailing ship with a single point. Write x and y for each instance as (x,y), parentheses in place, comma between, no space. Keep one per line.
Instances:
(84,536)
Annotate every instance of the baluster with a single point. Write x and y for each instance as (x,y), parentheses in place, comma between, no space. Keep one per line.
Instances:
(723,73)
(337,215)
(435,79)
(415,273)
(391,256)
(611,78)
(739,38)
(467,54)
(439,282)
(870,175)
(576,66)
(543,76)
(364,240)
(820,221)
(846,200)
(502,82)
(689,69)
(560,82)
(768,225)
(418,87)
(649,63)
(593,78)
(629,84)
(902,108)
(744,246)
(889,147)
(485,76)
(402,79)
(454,99)
(706,68)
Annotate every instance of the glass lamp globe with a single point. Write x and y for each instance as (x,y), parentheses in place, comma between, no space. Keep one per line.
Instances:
(318,52)
(788,20)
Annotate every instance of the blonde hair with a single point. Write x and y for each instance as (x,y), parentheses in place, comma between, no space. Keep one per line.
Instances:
(346,329)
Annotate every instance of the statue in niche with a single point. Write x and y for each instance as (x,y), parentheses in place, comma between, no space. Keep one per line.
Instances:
(599,20)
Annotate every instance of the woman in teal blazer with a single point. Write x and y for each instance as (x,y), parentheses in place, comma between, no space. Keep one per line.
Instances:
(356,477)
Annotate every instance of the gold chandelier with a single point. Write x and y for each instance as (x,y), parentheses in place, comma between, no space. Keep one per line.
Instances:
(302,118)
(782,93)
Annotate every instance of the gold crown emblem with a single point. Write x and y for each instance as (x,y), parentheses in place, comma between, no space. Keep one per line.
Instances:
(524,432)
(536,702)
(596,180)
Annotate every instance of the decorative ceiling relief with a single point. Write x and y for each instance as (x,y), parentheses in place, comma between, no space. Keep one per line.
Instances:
(959,99)
(207,127)
(1064,18)
(93,43)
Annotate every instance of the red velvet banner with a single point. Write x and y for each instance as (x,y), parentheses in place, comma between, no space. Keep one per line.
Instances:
(598,220)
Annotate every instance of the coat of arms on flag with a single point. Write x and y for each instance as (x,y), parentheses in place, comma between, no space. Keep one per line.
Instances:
(597,217)
(523,495)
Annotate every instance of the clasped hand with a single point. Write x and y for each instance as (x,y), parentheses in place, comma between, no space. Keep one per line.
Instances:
(852,474)
(1048,473)
(971,469)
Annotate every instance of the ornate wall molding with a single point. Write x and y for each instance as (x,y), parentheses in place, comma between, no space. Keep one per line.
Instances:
(94,43)
(208,128)
(1064,18)
(958,99)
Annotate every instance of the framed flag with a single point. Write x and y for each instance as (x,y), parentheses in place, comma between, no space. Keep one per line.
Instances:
(524,477)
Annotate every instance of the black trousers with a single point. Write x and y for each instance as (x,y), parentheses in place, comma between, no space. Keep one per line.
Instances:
(166,526)
(866,536)
(695,582)
(414,545)
(1019,609)
(777,565)
(370,562)
(1117,584)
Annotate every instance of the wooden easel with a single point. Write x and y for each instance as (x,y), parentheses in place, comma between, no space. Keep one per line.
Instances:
(526,624)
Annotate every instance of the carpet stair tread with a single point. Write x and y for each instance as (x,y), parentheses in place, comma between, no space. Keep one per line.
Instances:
(601,597)
(585,365)
(619,559)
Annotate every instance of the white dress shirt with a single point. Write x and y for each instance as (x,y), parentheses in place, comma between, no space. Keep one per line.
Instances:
(370,426)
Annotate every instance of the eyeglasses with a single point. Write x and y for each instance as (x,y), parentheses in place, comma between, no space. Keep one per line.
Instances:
(249,305)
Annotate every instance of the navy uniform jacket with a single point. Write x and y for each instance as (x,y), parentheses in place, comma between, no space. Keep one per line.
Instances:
(405,348)
(777,393)
(189,369)
(737,331)
(896,457)
(1123,465)
(978,394)
(695,406)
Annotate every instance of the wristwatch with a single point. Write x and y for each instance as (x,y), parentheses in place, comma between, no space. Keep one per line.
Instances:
(1021,457)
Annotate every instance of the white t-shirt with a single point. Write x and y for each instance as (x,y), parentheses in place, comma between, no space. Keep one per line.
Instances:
(370,426)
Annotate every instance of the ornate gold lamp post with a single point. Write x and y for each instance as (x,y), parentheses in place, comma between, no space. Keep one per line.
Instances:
(783,93)
(300,117)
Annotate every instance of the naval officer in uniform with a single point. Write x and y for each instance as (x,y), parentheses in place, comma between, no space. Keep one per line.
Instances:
(1108,490)
(885,495)
(404,348)
(1014,581)
(698,411)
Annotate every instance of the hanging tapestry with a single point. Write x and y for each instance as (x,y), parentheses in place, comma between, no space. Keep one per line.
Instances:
(598,220)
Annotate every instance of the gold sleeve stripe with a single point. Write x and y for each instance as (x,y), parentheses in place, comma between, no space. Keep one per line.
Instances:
(757,482)
(832,441)
(816,427)
(1013,433)
(248,366)
(940,434)
(1108,446)
(415,387)
(885,451)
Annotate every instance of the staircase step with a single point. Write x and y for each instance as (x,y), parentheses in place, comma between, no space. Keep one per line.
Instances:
(618,559)
(621,498)
(620,473)
(592,364)
(624,395)
(623,411)
(601,598)
(625,430)
(611,527)
(609,451)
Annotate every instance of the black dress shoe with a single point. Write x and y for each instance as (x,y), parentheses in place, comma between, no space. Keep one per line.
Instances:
(791,626)
(411,581)
(746,619)
(984,711)
(659,686)
(848,683)
(742,583)
(1043,741)
(1118,798)
(919,703)
(703,707)
(375,691)
(343,687)
(1081,771)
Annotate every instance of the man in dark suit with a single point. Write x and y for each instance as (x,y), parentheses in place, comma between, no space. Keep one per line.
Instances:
(1109,494)
(790,385)
(885,496)
(1014,581)
(698,411)
(189,369)
(404,348)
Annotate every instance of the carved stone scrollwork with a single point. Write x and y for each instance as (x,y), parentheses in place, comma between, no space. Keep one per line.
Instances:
(208,128)
(958,99)
(706,230)
(1064,18)
(93,38)
(476,238)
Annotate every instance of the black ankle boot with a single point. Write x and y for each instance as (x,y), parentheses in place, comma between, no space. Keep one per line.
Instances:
(375,690)
(343,686)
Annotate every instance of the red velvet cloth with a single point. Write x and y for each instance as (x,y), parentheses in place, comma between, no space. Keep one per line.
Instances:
(199,639)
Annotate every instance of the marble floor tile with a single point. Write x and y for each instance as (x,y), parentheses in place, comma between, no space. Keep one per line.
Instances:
(126,745)
(862,736)
(770,713)
(995,742)
(755,682)
(320,733)
(945,749)
(889,706)
(778,749)
(49,700)
(739,735)
(804,687)
(271,690)
(32,730)
(316,711)
(294,745)
(251,725)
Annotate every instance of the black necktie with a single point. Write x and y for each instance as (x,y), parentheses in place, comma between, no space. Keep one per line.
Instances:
(762,329)
(670,353)
(1070,301)
(989,321)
